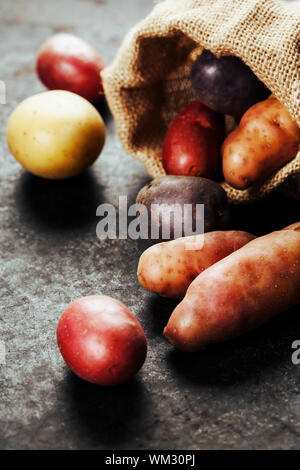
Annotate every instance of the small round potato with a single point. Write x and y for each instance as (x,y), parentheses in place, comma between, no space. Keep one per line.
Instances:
(67,62)
(55,134)
(101,340)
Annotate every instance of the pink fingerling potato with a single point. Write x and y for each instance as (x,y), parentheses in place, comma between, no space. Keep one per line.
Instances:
(66,62)
(101,340)
(239,293)
(168,268)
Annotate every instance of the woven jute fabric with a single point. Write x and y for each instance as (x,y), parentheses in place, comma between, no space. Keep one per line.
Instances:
(148,83)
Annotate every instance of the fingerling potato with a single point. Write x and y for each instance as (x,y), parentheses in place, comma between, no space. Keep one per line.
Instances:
(266,139)
(169,267)
(239,293)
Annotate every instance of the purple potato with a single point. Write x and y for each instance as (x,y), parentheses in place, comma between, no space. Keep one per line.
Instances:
(163,195)
(226,85)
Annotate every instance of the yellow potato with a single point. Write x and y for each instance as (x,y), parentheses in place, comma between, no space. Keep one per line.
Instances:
(55,134)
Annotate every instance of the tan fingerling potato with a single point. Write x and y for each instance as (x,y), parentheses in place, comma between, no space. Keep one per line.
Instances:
(55,134)
(239,293)
(266,139)
(169,268)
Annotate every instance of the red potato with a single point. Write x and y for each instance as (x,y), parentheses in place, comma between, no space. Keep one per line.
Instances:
(169,268)
(266,139)
(192,143)
(66,62)
(239,293)
(101,340)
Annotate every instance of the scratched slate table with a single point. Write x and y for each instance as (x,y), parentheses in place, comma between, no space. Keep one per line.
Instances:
(240,395)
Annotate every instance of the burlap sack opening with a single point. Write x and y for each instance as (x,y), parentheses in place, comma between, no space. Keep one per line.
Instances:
(148,83)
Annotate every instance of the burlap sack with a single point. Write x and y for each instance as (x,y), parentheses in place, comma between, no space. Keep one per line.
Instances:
(148,83)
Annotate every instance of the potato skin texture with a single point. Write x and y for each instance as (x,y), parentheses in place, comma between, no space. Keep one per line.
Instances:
(295,227)
(239,293)
(192,143)
(101,340)
(55,134)
(226,84)
(266,139)
(168,268)
(171,190)
(66,62)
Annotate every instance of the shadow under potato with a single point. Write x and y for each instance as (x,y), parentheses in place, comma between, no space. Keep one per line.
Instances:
(58,204)
(105,416)
(159,310)
(104,110)
(241,359)
(274,212)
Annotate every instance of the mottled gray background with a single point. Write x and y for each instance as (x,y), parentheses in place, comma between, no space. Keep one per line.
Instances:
(242,394)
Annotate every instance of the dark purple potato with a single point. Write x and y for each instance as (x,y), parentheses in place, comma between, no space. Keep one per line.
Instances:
(226,85)
(165,198)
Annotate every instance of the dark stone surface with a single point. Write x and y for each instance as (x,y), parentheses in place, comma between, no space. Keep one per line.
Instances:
(242,394)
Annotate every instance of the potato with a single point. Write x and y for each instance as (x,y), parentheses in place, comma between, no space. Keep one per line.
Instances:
(295,227)
(227,84)
(266,139)
(66,62)
(169,268)
(239,293)
(101,340)
(168,193)
(192,143)
(55,134)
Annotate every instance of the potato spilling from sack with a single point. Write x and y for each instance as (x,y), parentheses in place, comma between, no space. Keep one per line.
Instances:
(173,206)
(192,143)
(226,84)
(266,139)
